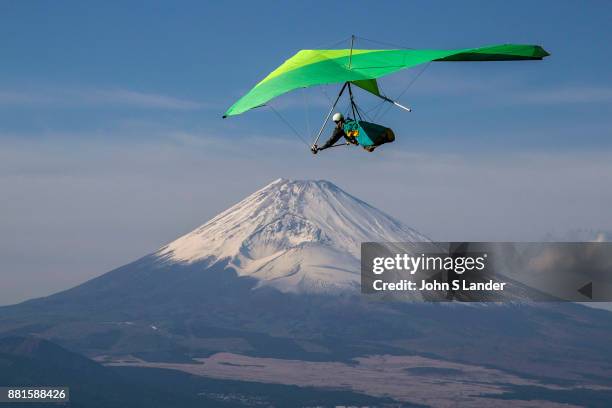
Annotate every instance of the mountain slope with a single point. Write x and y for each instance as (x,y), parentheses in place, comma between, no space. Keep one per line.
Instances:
(273,277)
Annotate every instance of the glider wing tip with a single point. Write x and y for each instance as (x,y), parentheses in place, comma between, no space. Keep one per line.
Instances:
(543,53)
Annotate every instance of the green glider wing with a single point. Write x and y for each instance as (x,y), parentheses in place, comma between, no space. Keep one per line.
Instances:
(362,67)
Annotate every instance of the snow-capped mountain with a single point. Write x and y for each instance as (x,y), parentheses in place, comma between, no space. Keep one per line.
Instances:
(185,300)
(297,236)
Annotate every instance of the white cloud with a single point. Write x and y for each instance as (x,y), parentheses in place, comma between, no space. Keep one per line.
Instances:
(96,97)
(138,99)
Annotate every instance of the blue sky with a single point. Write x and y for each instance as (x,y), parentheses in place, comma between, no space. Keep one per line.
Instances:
(112,141)
(72,67)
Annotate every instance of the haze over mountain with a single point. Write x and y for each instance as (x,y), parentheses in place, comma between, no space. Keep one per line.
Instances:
(276,276)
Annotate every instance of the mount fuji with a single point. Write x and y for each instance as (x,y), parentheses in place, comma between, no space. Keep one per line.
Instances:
(295,236)
(276,276)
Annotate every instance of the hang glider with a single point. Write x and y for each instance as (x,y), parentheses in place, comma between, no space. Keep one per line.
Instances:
(361,67)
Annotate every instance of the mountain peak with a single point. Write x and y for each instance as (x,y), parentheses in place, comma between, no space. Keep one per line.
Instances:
(322,184)
(295,235)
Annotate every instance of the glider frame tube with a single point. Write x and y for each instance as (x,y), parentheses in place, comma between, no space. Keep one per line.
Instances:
(329,114)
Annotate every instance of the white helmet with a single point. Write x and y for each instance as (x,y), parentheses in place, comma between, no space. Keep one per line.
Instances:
(337,117)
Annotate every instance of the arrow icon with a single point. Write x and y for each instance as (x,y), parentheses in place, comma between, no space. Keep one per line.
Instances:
(587,290)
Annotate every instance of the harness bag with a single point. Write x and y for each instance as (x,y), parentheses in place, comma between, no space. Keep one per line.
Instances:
(367,134)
